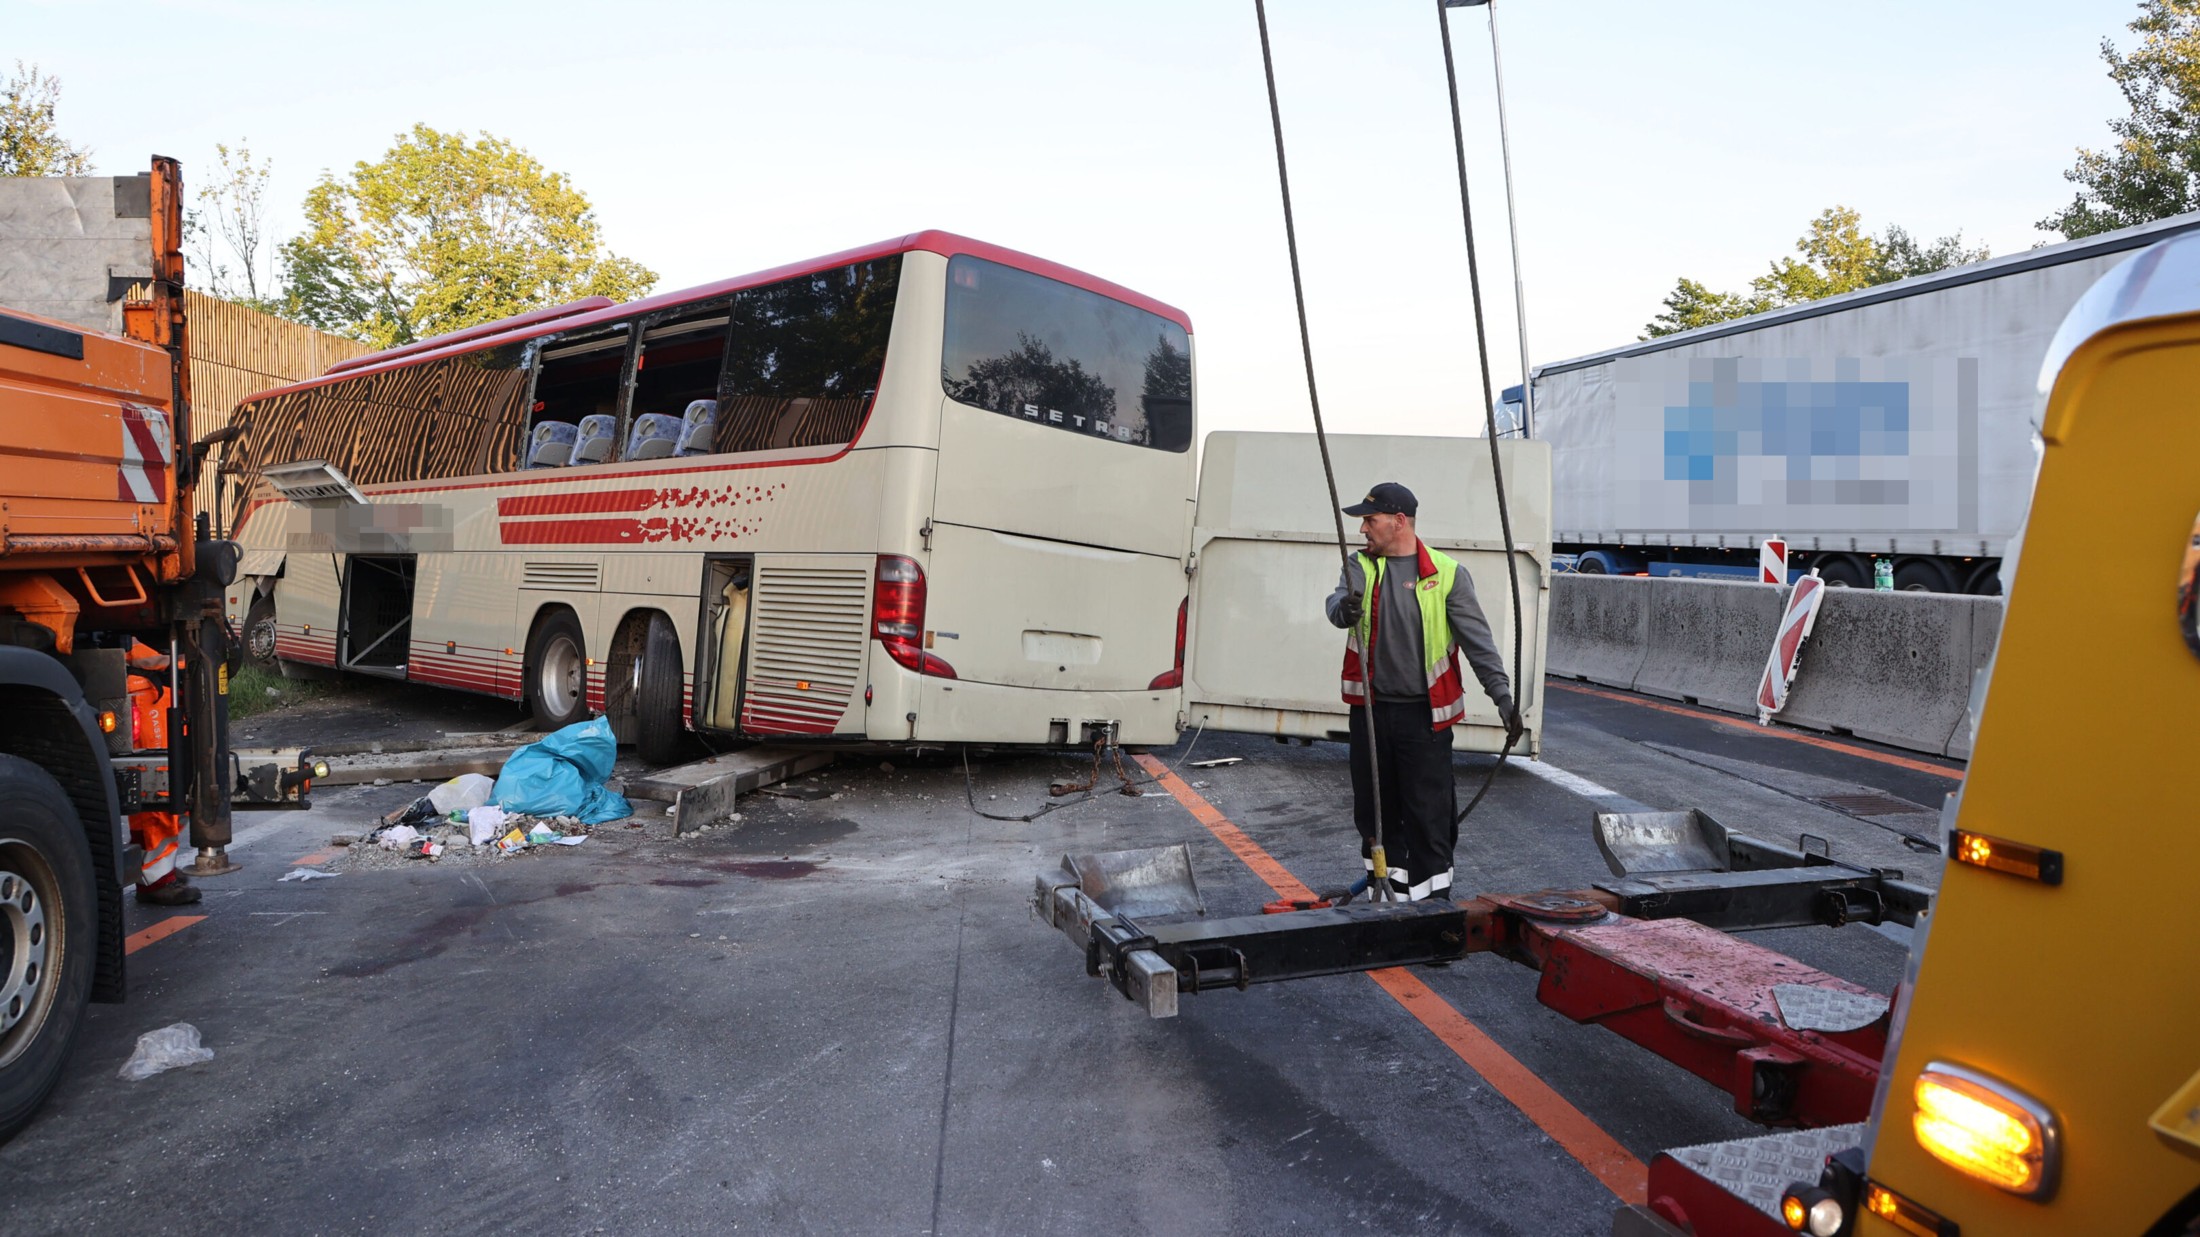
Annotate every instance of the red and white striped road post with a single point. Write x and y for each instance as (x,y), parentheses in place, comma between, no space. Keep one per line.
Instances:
(1772,561)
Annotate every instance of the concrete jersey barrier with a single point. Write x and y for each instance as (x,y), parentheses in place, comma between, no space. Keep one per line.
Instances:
(1708,641)
(1895,668)
(1600,628)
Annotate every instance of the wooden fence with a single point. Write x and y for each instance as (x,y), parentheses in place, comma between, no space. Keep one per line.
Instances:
(236,352)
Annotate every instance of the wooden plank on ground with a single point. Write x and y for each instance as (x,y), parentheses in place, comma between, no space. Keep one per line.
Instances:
(710,799)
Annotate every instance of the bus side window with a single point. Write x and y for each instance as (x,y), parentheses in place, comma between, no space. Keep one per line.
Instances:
(676,387)
(575,415)
(804,361)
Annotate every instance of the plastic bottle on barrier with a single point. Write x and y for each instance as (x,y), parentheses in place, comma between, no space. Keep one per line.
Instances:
(1883,575)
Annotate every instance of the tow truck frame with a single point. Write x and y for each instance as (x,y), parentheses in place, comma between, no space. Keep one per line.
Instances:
(1646,954)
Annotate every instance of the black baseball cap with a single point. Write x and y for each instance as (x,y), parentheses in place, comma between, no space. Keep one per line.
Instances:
(1388,498)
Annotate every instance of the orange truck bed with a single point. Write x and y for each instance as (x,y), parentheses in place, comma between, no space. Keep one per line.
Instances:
(87,454)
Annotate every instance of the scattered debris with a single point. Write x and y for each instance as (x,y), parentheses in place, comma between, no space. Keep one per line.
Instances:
(565,775)
(306,874)
(484,823)
(462,793)
(171,1047)
(397,837)
(343,839)
(1218,762)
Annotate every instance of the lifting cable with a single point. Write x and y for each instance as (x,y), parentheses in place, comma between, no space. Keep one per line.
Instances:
(1489,407)
(1379,875)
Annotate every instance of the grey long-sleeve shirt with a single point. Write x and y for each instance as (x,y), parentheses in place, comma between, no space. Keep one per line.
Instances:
(1399,672)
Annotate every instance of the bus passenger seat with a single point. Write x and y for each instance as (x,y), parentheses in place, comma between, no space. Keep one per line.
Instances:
(597,433)
(552,444)
(654,436)
(697,427)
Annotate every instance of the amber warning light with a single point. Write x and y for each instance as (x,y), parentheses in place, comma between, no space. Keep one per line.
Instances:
(1987,1129)
(1980,850)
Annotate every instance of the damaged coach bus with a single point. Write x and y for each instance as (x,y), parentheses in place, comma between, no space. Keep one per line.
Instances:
(930,490)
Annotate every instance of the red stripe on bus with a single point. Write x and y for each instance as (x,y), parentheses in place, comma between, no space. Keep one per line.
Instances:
(570,532)
(575,503)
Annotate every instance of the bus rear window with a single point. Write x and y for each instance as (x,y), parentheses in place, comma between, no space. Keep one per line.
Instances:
(1039,350)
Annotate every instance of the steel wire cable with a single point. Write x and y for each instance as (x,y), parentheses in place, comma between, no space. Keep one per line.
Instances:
(1489,409)
(1378,855)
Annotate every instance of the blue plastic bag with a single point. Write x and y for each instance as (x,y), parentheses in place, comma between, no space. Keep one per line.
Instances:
(564,775)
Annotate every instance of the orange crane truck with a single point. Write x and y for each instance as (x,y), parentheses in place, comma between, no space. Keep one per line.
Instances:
(113,676)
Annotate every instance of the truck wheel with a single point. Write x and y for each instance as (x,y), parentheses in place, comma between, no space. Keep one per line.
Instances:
(1922,575)
(1985,579)
(1590,565)
(1843,571)
(657,691)
(259,635)
(48,937)
(557,673)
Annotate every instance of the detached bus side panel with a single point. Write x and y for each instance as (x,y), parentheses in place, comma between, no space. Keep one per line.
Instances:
(1261,656)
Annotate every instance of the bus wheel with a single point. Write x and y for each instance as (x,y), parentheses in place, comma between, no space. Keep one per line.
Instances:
(657,691)
(557,673)
(48,929)
(259,635)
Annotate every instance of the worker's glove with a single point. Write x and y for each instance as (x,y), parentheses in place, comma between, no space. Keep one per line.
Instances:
(1350,610)
(1514,725)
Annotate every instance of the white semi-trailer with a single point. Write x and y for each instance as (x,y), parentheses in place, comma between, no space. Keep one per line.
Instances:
(1894,422)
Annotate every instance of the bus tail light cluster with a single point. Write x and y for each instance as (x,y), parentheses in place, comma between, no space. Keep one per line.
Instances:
(1174,677)
(897,616)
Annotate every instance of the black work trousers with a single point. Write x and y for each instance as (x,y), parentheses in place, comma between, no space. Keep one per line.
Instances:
(1419,802)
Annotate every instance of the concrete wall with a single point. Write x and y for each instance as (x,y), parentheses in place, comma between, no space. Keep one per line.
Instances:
(1896,668)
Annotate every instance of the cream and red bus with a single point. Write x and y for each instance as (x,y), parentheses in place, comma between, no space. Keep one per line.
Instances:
(930,490)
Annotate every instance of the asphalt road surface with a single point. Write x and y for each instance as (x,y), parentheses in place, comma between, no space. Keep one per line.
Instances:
(841,1016)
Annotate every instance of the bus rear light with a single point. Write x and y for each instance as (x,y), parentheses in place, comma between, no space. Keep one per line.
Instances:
(897,616)
(1987,1129)
(1174,676)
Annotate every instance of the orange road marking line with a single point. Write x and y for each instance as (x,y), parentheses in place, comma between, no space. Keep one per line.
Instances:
(1568,1126)
(1777,733)
(319,856)
(1263,864)
(159,932)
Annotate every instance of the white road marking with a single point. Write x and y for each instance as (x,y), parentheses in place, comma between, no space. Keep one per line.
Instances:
(1563,780)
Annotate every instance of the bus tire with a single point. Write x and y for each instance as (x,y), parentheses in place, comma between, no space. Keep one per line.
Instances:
(557,672)
(658,731)
(49,928)
(259,635)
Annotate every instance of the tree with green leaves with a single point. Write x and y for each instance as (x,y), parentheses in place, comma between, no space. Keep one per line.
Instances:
(1837,256)
(443,233)
(232,210)
(30,142)
(2153,169)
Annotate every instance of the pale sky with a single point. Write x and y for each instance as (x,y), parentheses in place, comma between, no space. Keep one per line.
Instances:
(1131,139)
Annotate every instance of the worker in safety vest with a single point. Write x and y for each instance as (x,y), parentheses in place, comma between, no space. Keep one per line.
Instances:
(1423,625)
(158,834)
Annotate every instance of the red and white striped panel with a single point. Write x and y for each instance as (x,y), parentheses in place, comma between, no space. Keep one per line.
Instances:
(147,451)
(1787,646)
(1772,561)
